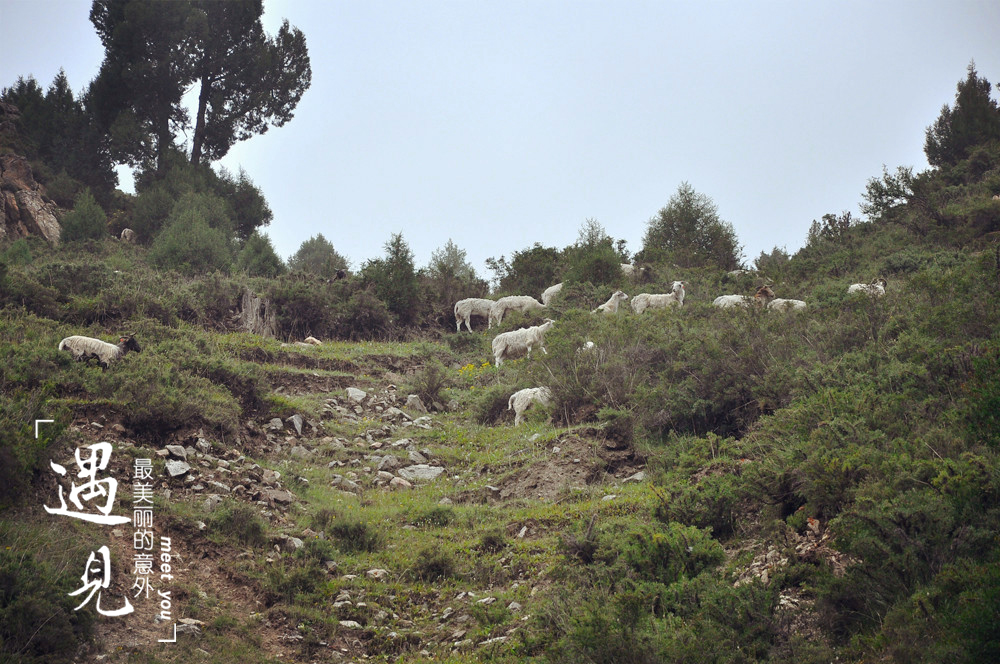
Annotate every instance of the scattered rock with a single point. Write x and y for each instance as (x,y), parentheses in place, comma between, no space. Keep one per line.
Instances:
(378,573)
(177,452)
(638,477)
(356,396)
(413,402)
(297,422)
(421,472)
(399,483)
(177,468)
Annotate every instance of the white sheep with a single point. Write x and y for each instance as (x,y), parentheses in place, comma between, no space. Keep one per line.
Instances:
(996,197)
(550,293)
(500,308)
(509,344)
(522,399)
(644,301)
(469,307)
(782,304)
(85,348)
(631,271)
(763,295)
(611,306)
(128,235)
(875,288)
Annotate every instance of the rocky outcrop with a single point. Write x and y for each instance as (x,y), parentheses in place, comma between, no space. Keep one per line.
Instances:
(23,211)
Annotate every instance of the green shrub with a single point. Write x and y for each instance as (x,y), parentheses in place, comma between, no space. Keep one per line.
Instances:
(240,523)
(352,536)
(197,237)
(433,563)
(258,257)
(86,221)
(666,554)
(38,623)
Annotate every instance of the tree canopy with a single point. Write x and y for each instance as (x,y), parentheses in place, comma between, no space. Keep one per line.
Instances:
(155,50)
(317,256)
(689,232)
(975,119)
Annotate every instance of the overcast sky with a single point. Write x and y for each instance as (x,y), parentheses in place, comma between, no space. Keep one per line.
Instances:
(502,124)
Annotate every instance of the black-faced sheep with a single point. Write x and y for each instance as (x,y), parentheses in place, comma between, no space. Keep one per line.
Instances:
(675,298)
(469,307)
(611,306)
(522,399)
(512,303)
(512,344)
(85,348)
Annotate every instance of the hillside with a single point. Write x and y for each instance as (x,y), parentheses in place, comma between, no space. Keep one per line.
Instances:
(708,485)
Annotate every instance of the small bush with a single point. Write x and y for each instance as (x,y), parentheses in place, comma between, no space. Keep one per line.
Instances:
(38,623)
(354,536)
(86,221)
(241,523)
(433,563)
(492,541)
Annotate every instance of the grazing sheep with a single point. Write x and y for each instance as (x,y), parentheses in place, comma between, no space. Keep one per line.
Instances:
(313,340)
(611,306)
(631,271)
(128,235)
(782,304)
(875,288)
(522,399)
(763,295)
(996,197)
(510,344)
(469,307)
(85,348)
(644,301)
(550,293)
(512,303)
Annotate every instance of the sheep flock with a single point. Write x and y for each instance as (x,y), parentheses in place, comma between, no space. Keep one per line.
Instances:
(520,342)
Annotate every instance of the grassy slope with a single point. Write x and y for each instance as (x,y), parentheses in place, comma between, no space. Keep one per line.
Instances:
(818,485)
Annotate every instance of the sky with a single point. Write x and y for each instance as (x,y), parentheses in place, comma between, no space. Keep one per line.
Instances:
(497,125)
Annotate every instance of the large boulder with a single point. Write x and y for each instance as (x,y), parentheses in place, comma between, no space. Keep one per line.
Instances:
(23,212)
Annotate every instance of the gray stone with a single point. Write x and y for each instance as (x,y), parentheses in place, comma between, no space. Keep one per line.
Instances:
(177,468)
(177,452)
(638,477)
(388,462)
(356,395)
(417,457)
(280,496)
(275,424)
(189,629)
(212,502)
(300,452)
(203,446)
(350,624)
(297,422)
(413,402)
(292,544)
(399,483)
(393,413)
(421,472)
